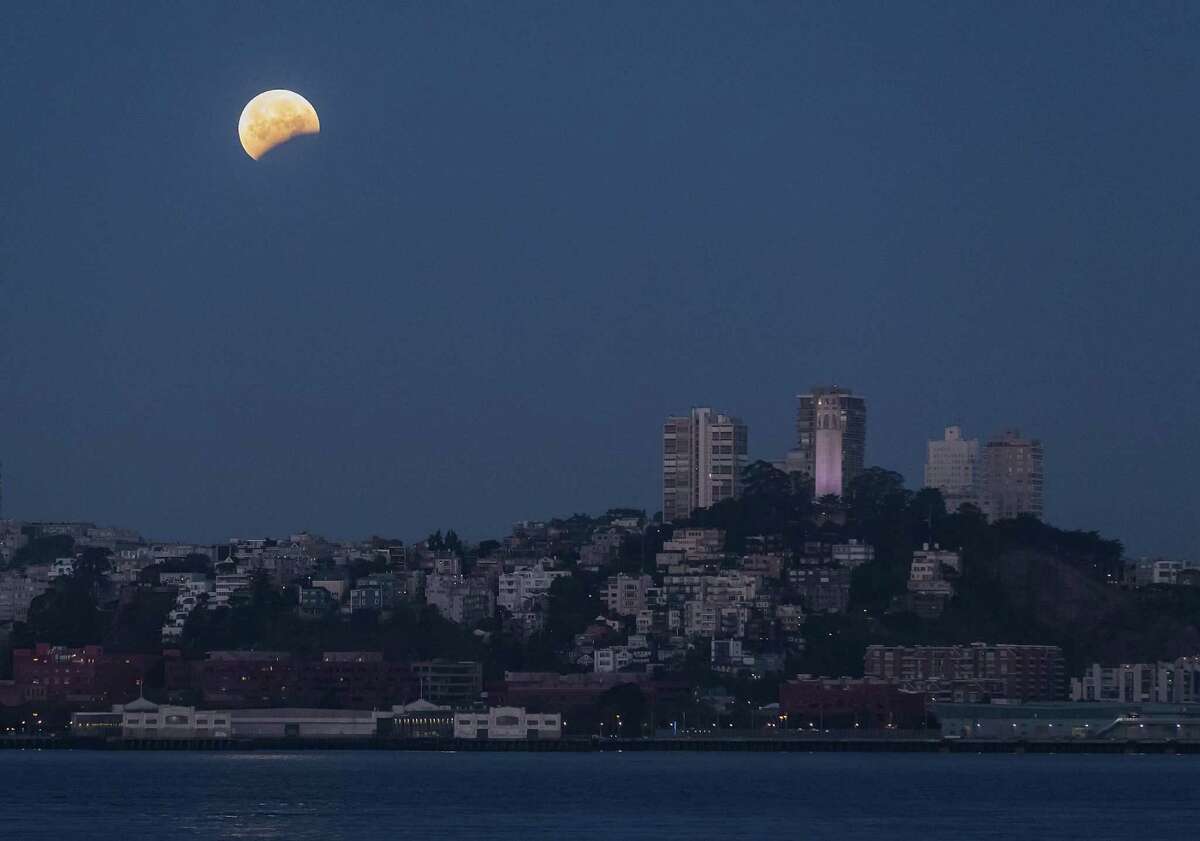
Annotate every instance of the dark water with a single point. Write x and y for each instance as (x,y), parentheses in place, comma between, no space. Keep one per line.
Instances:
(378,795)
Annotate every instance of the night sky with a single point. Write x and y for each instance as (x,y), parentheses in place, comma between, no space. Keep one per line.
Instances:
(528,232)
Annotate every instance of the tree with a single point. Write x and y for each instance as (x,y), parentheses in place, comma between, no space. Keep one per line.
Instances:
(93,563)
(623,710)
(629,555)
(763,479)
(876,497)
(927,510)
(771,504)
(137,625)
(571,605)
(44,550)
(67,614)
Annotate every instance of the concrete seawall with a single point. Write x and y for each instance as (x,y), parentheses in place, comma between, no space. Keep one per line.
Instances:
(589,745)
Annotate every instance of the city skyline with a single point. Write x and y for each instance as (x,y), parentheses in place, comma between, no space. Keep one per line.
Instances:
(790,461)
(516,233)
(420,389)
(700,422)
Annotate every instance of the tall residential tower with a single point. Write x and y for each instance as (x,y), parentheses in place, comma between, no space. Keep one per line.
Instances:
(1012,476)
(952,466)
(704,455)
(831,438)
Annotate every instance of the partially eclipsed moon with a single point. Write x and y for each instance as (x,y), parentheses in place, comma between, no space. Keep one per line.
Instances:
(275,117)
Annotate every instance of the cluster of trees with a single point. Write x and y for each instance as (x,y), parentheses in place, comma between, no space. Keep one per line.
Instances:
(451,542)
(43,549)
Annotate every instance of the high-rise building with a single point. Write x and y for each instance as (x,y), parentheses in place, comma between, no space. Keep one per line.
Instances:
(1012,476)
(704,456)
(952,466)
(831,438)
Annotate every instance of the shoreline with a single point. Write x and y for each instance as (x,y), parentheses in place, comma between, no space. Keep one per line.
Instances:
(592,745)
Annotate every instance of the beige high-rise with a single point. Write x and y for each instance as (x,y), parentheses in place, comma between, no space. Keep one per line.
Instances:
(952,466)
(704,456)
(1012,476)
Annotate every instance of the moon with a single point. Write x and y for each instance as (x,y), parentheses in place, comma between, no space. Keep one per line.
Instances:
(275,117)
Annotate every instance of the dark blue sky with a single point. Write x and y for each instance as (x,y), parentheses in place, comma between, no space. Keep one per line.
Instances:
(527,232)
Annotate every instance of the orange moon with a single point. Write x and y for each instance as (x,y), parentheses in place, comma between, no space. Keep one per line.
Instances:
(275,117)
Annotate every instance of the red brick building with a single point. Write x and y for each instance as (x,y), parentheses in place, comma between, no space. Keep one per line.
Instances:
(360,680)
(87,675)
(345,679)
(972,673)
(578,696)
(848,703)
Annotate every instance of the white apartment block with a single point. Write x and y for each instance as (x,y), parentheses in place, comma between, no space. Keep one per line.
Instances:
(728,589)
(467,601)
(935,557)
(518,589)
(697,544)
(1166,572)
(612,659)
(927,574)
(193,588)
(853,554)
(670,620)
(724,589)
(625,595)
(226,585)
(705,620)
(447,565)
(1141,683)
